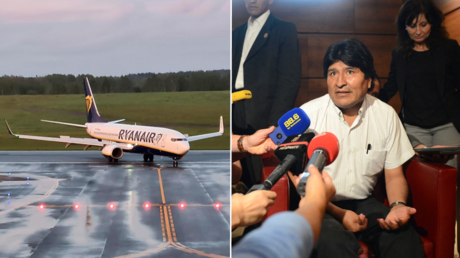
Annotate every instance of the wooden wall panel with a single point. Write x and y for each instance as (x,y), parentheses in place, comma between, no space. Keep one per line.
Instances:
(239,13)
(335,16)
(376,16)
(317,44)
(446,5)
(452,23)
(325,16)
(310,89)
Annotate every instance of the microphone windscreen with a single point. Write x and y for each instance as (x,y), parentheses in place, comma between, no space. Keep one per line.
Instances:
(240,95)
(298,150)
(295,121)
(327,142)
(305,137)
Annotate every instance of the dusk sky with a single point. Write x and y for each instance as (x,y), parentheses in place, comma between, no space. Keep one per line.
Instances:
(113,37)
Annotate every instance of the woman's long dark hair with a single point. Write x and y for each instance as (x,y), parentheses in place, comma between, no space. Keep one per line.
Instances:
(409,11)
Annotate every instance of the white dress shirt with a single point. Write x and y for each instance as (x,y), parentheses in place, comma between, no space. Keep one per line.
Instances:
(356,169)
(252,32)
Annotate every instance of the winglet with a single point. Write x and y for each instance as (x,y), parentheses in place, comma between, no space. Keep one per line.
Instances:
(221,127)
(9,129)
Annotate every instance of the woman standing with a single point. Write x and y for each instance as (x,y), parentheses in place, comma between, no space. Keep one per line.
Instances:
(425,69)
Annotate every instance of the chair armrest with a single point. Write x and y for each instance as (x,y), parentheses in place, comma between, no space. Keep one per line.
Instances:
(433,191)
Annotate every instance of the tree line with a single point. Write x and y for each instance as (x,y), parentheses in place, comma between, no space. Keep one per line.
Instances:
(216,80)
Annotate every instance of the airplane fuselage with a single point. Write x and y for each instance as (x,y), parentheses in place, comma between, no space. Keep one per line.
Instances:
(145,139)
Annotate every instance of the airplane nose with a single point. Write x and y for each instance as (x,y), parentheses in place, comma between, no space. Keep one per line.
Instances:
(183,148)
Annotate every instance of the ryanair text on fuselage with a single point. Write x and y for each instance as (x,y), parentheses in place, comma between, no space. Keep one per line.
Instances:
(139,136)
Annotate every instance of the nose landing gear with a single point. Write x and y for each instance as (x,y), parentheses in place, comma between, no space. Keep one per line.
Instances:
(176,160)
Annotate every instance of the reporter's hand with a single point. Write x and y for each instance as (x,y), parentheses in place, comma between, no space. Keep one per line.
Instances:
(319,187)
(398,217)
(259,143)
(251,208)
(354,222)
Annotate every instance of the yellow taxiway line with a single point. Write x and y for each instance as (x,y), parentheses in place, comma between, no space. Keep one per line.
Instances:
(168,223)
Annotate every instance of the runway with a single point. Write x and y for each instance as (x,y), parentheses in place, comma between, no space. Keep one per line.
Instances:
(112,219)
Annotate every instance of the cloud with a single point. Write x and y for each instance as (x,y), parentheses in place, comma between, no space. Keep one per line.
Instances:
(26,11)
(113,37)
(189,7)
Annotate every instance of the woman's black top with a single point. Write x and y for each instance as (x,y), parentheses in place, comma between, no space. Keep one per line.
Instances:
(423,103)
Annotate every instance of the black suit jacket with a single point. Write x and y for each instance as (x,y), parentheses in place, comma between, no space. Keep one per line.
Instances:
(447,69)
(272,72)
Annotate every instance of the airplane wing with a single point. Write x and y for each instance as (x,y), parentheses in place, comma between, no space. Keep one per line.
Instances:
(62,123)
(87,142)
(208,135)
(116,121)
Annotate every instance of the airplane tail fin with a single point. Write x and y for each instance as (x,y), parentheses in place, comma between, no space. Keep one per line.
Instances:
(91,108)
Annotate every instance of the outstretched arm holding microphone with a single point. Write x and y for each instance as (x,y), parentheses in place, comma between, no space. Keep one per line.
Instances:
(257,144)
(291,234)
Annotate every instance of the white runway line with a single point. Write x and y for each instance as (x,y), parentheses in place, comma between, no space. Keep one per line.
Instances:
(204,188)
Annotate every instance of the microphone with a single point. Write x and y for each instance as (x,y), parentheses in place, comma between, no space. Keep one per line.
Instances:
(293,156)
(323,150)
(240,95)
(294,122)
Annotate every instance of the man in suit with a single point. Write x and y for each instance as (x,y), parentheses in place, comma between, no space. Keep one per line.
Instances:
(266,61)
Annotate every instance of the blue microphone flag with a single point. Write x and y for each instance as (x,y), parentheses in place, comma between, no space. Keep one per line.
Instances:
(294,122)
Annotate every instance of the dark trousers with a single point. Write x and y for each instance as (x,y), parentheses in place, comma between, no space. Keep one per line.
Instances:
(335,241)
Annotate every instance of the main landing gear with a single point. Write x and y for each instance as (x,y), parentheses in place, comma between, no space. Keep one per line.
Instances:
(110,159)
(148,157)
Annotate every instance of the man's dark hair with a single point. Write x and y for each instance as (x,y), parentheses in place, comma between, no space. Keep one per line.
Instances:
(351,52)
(409,11)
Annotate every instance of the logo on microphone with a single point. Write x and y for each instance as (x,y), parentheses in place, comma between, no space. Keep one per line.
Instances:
(292,121)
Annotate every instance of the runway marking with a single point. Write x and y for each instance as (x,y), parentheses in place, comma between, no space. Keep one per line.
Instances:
(172,224)
(161,186)
(151,205)
(161,247)
(167,221)
(168,227)
(220,212)
(48,193)
(162,224)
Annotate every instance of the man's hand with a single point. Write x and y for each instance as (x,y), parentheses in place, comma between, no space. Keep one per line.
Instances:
(260,143)
(398,217)
(434,157)
(354,222)
(319,187)
(251,208)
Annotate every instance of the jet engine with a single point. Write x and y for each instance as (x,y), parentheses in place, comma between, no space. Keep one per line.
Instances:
(112,151)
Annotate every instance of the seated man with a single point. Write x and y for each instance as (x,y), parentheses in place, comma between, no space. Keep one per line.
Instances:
(371,138)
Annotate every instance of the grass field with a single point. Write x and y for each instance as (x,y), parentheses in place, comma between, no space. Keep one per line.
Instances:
(188,112)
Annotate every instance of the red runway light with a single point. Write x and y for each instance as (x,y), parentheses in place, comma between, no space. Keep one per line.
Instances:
(41,206)
(217,205)
(182,205)
(111,206)
(76,206)
(147,205)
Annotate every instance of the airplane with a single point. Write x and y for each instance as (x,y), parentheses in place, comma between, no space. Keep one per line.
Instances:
(114,139)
